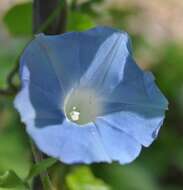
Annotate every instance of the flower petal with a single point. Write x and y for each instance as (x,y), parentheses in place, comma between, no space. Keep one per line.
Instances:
(54,53)
(138,89)
(46,103)
(107,67)
(57,49)
(154,93)
(47,107)
(142,123)
(23,105)
(100,59)
(70,143)
(36,67)
(67,142)
(120,146)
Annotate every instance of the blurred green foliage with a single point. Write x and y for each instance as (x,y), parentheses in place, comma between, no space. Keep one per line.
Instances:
(169,69)
(10,180)
(14,148)
(133,176)
(159,167)
(81,178)
(9,55)
(79,22)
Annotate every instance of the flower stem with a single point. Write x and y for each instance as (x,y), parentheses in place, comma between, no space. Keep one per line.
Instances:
(49,16)
(44,177)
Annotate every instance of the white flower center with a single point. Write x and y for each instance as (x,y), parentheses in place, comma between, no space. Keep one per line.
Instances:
(82,106)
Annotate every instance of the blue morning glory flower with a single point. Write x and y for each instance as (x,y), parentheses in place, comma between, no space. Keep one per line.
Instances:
(84,99)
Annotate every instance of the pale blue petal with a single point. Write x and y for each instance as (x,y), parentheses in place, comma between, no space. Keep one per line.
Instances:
(58,50)
(107,67)
(154,93)
(45,98)
(29,114)
(119,145)
(83,46)
(36,67)
(48,110)
(70,143)
(142,123)
(101,59)
(137,88)
(23,105)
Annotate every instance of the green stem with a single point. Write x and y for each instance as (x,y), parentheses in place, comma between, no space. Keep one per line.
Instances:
(50,16)
(50,19)
(45,179)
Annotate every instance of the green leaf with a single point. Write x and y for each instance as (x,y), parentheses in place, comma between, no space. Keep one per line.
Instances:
(19,19)
(10,180)
(79,22)
(40,167)
(81,178)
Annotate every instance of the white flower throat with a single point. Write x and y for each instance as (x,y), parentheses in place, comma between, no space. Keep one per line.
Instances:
(82,106)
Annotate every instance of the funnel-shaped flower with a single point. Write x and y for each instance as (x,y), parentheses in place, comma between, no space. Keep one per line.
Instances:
(84,99)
